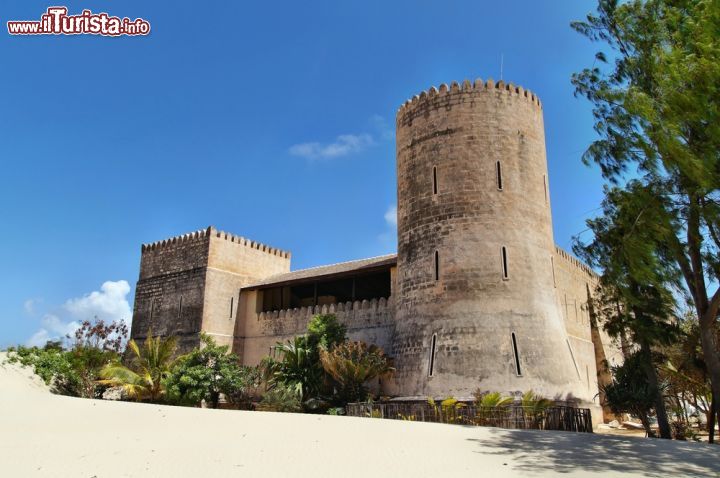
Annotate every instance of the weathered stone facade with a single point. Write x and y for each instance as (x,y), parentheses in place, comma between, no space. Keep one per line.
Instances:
(478,296)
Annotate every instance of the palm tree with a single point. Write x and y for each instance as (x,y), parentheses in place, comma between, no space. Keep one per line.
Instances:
(149,366)
(491,407)
(296,368)
(351,364)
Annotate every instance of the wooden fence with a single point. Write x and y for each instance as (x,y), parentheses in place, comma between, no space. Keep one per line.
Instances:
(555,417)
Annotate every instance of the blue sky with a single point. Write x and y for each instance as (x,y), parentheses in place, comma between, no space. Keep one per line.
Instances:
(271,120)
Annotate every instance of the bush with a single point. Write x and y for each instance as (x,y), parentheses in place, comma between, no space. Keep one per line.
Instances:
(280,399)
(351,365)
(52,364)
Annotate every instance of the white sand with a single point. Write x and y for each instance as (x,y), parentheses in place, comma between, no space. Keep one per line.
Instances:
(54,436)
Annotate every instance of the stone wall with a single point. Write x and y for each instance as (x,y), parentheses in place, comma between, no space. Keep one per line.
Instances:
(169,297)
(191,283)
(371,321)
(458,134)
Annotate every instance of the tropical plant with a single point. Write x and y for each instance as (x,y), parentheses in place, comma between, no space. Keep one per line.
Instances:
(488,405)
(351,365)
(149,365)
(280,398)
(448,410)
(296,368)
(207,372)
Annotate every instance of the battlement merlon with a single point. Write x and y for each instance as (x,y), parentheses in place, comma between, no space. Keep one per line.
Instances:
(212,248)
(467,87)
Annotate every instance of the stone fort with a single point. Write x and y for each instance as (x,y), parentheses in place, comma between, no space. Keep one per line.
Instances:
(478,295)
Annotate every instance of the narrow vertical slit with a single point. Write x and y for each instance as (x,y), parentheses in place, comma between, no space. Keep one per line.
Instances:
(504,263)
(435,183)
(437,265)
(498,169)
(516,354)
(552,265)
(433,343)
(180,309)
(545,188)
(232,301)
(152,309)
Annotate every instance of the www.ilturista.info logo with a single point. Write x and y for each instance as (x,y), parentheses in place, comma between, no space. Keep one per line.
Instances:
(57,22)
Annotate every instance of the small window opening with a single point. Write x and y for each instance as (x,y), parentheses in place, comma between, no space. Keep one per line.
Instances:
(504,263)
(433,343)
(498,170)
(232,302)
(435,183)
(437,265)
(180,309)
(152,308)
(516,354)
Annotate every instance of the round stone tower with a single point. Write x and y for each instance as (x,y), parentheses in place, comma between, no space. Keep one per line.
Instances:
(475,305)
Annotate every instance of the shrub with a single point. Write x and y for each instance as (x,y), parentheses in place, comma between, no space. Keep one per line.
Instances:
(52,364)
(280,399)
(351,365)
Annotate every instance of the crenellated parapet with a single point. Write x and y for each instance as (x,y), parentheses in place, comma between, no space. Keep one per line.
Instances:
(195,236)
(436,96)
(355,315)
(211,232)
(575,262)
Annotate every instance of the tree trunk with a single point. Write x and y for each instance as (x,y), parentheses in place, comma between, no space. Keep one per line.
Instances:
(651,373)
(214,399)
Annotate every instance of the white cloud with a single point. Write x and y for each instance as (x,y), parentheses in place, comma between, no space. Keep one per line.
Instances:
(109,304)
(384,129)
(30,304)
(344,145)
(52,329)
(391,216)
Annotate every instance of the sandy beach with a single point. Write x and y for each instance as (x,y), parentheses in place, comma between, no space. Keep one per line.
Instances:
(45,435)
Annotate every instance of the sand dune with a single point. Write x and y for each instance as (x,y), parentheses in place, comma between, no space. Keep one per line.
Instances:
(45,435)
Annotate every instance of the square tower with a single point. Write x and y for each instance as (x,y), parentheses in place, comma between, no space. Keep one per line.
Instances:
(191,283)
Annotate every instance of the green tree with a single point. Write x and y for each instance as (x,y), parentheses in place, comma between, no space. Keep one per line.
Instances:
(205,373)
(629,391)
(352,365)
(634,296)
(143,379)
(324,332)
(656,104)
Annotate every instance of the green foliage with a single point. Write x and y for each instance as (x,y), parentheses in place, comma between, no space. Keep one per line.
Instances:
(52,364)
(656,112)
(630,392)
(205,373)
(143,379)
(281,398)
(491,400)
(297,368)
(324,332)
(95,345)
(351,365)
(448,410)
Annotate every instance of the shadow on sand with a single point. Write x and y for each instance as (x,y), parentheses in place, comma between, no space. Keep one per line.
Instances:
(534,451)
